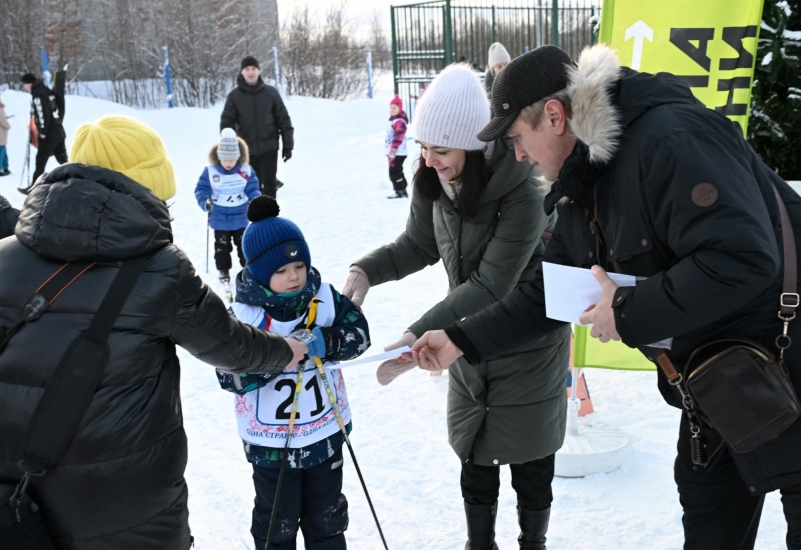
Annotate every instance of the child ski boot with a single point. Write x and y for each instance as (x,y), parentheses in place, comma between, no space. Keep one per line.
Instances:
(225,279)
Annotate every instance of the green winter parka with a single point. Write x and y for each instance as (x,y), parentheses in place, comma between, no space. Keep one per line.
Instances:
(512,409)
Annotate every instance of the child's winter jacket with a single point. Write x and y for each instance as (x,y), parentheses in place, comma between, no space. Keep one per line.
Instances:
(231,190)
(396,134)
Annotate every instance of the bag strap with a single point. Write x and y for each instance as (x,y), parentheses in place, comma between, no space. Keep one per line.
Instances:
(70,389)
(789,299)
(43,296)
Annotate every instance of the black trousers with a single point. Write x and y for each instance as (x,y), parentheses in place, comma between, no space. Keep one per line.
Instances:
(266,166)
(311,499)
(46,150)
(530,480)
(223,248)
(396,173)
(719,511)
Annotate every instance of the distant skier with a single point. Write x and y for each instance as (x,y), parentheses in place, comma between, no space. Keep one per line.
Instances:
(224,190)
(275,293)
(4,128)
(8,218)
(47,114)
(257,113)
(396,147)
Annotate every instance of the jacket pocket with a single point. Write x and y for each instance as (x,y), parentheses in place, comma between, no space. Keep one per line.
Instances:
(627,236)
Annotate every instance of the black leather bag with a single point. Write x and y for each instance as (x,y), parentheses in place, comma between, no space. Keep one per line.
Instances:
(743,391)
(66,397)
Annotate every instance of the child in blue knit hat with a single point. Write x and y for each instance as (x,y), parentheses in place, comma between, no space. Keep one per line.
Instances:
(275,291)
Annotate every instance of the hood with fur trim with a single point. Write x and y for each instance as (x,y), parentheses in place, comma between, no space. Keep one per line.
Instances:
(244,153)
(606,98)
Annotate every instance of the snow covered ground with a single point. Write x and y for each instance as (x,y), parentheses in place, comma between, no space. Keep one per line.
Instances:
(336,188)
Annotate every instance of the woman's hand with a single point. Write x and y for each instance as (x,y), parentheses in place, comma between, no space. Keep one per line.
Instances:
(390,370)
(356,285)
(299,350)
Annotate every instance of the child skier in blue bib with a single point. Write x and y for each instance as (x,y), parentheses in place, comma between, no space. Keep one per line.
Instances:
(224,190)
(280,291)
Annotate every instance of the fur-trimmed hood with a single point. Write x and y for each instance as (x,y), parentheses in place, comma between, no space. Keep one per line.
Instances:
(606,98)
(244,153)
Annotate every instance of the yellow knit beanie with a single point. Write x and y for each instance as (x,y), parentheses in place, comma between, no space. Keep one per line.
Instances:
(125,145)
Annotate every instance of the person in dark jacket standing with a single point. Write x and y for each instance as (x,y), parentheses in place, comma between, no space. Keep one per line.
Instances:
(480,211)
(120,483)
(257,113)
(653,184)
(47,117)
(8,218)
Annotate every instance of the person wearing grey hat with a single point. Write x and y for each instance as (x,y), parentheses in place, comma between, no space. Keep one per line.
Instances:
(497,59)
(649,182)
(480,211)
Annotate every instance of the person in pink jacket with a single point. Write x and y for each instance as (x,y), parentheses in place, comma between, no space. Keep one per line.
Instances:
(4,128)
(396,147)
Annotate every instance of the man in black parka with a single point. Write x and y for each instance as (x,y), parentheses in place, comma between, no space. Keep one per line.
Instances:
(120,484)
(651,183)
(47,115)
(257,113)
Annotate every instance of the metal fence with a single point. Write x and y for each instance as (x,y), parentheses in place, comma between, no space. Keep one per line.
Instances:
(428,36)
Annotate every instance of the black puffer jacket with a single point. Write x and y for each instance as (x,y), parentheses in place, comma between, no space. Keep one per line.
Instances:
(681,199)
(120,483)
(8,218)
(258,115)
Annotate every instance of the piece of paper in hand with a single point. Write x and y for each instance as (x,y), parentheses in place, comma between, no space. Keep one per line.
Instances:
(569,291)
(386,356)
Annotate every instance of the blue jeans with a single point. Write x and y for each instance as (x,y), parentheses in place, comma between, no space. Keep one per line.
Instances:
(3,158)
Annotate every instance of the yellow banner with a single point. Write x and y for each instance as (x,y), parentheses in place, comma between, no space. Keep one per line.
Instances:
(711,44)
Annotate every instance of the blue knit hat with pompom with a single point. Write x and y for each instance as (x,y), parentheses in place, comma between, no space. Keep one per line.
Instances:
(270,242)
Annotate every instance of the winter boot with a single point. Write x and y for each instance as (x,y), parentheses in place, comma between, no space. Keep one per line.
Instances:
(225,277)
(533,526)
(481,526)
(399,195)
(5,172)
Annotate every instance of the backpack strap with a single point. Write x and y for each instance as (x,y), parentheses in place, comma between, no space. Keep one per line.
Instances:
(70,389)
(45,295)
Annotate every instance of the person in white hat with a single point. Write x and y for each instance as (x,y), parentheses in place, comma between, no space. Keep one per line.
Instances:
(480,211)
(497,59)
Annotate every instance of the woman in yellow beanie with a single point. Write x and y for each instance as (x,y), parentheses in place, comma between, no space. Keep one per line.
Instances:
(125,145)
(120,482)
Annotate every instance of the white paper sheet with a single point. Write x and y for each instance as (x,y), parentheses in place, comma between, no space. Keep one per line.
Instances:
(569,291)
(386,356)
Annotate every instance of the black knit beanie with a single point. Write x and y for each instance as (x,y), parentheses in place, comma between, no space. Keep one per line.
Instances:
(527,79)
(249,61)
(28,78)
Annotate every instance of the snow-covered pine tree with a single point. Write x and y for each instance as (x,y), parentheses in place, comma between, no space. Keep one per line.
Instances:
(774,128)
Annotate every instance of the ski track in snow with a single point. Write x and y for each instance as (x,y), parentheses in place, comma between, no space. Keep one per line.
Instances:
(336,189)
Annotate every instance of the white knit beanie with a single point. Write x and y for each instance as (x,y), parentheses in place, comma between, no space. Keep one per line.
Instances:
(498,54)
(453,110)
(228,147)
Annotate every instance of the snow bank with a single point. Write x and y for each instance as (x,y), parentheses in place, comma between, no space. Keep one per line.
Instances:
(336,185)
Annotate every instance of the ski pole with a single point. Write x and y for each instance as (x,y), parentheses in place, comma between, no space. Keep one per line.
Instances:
(290,429)
(333,400)
(208,223)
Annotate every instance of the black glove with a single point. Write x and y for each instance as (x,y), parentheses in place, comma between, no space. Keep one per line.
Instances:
(208,206)
(286,154)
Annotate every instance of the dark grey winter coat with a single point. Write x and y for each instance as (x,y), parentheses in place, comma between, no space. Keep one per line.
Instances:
(711,254)
(8,218)
(512,409)
(120,483)
(259,116)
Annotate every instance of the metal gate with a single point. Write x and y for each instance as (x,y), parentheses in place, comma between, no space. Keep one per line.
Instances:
(428,36)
